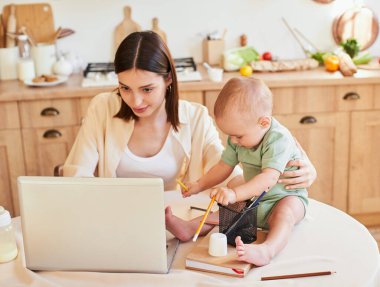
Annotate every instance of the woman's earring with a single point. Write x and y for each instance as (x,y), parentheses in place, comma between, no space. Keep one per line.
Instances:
(169,88)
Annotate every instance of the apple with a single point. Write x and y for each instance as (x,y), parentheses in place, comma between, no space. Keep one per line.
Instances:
(267,56)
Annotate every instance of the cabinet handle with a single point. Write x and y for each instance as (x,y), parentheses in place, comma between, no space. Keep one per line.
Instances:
(49,112)
(50,134)
(308,120)
(351,96)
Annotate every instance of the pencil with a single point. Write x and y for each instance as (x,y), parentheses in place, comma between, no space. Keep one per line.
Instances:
(203,219)
(288,276)
(182,185)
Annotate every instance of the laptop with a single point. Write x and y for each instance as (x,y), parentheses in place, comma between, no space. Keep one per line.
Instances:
(95,224)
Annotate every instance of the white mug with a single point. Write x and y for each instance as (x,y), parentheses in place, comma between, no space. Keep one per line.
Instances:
(44,57)
(8,63)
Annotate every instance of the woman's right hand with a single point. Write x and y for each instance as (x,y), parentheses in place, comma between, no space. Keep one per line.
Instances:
(191,188)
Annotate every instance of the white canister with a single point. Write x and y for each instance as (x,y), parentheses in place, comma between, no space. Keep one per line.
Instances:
(217,244)
(26,70)
(44,57)
(8,63)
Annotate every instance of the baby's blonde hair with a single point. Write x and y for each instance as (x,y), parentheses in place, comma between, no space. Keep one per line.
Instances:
(246,96)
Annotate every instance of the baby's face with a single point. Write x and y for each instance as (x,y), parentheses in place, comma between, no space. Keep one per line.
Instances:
(243,131)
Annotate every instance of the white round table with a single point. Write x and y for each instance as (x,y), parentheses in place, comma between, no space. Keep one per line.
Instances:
(326,240)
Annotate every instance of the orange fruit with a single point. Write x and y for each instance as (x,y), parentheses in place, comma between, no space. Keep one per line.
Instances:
(331,63)
(246,71)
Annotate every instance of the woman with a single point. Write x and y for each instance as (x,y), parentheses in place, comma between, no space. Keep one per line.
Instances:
(142,129)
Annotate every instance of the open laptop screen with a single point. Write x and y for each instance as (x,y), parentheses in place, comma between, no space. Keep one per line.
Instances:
(93,224)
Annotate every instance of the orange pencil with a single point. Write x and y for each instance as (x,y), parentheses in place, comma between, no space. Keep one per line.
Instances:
(288,276)
(203,219)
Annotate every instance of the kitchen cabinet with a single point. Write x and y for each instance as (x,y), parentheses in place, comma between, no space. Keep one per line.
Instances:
(196,97)
(325,138)
(49,128)
(336,119)
(364,187)
(11,156)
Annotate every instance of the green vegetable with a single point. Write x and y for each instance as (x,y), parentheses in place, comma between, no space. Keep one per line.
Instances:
(351,47)
(321,56)
(362,59)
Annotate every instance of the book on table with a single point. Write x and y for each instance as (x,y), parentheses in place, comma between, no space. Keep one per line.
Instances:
(199,259)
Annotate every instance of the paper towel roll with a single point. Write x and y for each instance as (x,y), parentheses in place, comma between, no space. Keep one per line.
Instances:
(8,63)
(217,244)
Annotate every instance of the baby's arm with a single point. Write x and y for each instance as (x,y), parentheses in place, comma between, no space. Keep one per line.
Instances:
(261,182)
(217,174)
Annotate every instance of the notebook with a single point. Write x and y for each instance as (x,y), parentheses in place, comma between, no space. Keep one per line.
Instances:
(95,224)
(200,260)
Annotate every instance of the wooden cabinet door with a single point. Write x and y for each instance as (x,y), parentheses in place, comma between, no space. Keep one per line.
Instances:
(364,173)
(324,137)
(11,166)
(196,97)
(47,148)
(210,99)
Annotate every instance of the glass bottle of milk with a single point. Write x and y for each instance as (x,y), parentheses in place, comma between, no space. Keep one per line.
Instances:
(25,66)
(8,246)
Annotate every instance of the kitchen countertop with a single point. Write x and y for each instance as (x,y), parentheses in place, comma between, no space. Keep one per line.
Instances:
(14,90)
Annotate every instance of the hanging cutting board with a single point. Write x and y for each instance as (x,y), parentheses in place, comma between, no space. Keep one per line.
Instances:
(37,18)
(126,27)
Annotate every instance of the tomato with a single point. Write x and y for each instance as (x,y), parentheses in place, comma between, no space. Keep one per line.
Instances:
(331,63)
(267,56)
(246,71)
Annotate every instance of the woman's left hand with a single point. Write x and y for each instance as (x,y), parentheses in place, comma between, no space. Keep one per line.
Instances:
(302,177)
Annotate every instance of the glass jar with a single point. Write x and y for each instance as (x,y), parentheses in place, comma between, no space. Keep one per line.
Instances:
(8,246)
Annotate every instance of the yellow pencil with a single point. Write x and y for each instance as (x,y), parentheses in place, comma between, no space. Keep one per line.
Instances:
(203,219)
(182,185)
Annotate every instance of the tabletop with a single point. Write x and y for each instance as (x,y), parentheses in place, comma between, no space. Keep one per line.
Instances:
(326,240)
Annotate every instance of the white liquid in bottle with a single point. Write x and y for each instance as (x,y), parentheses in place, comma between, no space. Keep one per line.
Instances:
(8,246)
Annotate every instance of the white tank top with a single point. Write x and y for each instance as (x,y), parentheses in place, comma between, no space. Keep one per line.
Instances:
(165,164)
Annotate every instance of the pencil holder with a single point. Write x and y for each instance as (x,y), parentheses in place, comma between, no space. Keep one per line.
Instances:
(246,219)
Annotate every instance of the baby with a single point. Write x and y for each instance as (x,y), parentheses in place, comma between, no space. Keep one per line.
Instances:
(263,147)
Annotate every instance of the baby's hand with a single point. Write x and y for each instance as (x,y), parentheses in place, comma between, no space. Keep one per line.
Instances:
(192,188)
(223,195)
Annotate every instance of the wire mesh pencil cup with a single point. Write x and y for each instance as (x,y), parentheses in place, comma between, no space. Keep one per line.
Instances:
(246,228)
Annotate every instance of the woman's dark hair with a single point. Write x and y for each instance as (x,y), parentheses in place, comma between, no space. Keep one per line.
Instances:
(146,51)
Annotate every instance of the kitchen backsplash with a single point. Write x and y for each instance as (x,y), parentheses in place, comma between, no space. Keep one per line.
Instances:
(186,24)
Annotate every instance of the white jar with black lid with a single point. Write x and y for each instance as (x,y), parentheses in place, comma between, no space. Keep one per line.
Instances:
(8,246)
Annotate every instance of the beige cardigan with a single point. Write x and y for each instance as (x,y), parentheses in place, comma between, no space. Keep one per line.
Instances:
(103,138)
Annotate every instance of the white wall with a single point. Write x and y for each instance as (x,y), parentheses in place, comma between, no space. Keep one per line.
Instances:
(187,21)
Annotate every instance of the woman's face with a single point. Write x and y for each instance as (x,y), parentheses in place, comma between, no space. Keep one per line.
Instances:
(143,91)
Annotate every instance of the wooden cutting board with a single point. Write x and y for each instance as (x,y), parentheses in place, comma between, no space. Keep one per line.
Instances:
(126,27)
(37,18)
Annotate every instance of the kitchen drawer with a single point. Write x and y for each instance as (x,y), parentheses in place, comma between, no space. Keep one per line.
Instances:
(9,118)
(49,113)
(46,148)
(303,100)
(358,97)
(196,97)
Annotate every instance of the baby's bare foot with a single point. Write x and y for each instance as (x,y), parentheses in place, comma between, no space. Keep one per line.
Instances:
(257,254)
(178,227)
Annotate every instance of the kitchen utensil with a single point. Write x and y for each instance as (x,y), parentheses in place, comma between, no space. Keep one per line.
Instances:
(2,33)
(158,30)
(65,32)
(37,18)
(11,21)
(56,35)
(24,30)
(359,23)
(126,27)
